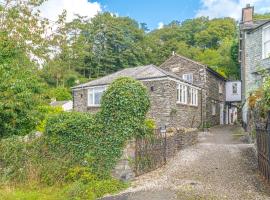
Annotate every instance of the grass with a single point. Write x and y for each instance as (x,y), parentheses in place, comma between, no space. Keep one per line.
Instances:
(71,191)
(31,193)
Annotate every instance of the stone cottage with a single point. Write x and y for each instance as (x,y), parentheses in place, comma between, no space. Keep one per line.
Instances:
(174,102)
(254,54)
(215,110)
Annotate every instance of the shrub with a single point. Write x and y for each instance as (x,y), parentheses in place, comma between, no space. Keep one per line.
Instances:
(79,191)
(60,93)
(47,111)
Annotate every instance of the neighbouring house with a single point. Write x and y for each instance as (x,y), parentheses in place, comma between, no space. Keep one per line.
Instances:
(254,55)
(215,110)
(174,101)
(65,105)
(233,99)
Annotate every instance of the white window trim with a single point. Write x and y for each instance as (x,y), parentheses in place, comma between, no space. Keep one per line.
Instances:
(92,89)
(263,42)
(182,94)
(185,77)
(193,97)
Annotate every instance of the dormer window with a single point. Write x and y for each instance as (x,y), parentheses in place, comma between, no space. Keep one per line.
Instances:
(266,42)
(188,77)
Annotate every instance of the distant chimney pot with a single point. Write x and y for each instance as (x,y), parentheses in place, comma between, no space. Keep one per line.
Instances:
(247,14)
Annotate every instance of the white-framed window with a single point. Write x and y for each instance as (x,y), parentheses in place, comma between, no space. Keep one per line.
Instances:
(266,42)
(234,89)
(182,94)
(188,77)
(213,108)
(94,96)
(193,97)
(220,88)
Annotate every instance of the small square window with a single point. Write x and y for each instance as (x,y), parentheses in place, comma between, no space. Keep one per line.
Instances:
(188,77)
(234,88)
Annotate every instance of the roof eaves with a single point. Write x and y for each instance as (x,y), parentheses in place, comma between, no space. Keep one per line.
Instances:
(216,73)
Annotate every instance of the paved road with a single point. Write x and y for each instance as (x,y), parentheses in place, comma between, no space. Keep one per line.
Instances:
(218,167)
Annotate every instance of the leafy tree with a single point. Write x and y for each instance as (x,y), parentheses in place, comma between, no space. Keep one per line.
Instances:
(258,16)
(20,97)
(22,21)
(114,43)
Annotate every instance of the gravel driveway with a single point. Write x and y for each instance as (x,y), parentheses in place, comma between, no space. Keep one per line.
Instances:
(218,167)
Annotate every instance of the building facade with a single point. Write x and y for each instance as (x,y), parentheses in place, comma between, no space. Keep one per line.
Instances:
(212,83)
(254,55)
(174,102)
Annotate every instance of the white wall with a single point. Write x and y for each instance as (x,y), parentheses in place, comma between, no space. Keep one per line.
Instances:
(229,91)
(68,106)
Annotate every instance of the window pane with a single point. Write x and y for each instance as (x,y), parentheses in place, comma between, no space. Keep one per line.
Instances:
(266,34)
(90,97)
(267,49)
(98,97)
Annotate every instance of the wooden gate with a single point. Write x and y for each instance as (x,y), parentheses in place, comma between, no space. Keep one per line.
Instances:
(263,146)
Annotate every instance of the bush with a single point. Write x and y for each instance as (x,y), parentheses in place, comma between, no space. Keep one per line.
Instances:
(60,94)
(47,111)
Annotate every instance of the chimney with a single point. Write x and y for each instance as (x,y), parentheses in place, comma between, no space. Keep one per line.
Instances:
(247,14)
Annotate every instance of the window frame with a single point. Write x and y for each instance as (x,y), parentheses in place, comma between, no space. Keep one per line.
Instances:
(193,96)
(185,77)
(182,93)
(264,56)
(94,91)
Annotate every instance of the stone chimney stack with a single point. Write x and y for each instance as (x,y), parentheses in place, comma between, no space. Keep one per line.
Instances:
(247,14)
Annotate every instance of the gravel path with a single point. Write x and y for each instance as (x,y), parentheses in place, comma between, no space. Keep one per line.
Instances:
(218,167)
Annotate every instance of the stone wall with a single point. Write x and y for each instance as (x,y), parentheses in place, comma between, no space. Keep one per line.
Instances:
(124,170)
(164,107)
(213,97)
(180,140)
(127,166)
(253,59)
(180,65)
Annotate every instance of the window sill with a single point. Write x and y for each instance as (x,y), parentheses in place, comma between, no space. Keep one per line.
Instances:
(193,105)
(94,106)
(185,104)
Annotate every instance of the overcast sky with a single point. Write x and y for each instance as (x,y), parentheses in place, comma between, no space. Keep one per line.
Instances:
(153,12)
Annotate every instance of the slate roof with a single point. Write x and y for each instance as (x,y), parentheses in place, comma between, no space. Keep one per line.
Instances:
(139,73)
(253,24)
(58,103)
